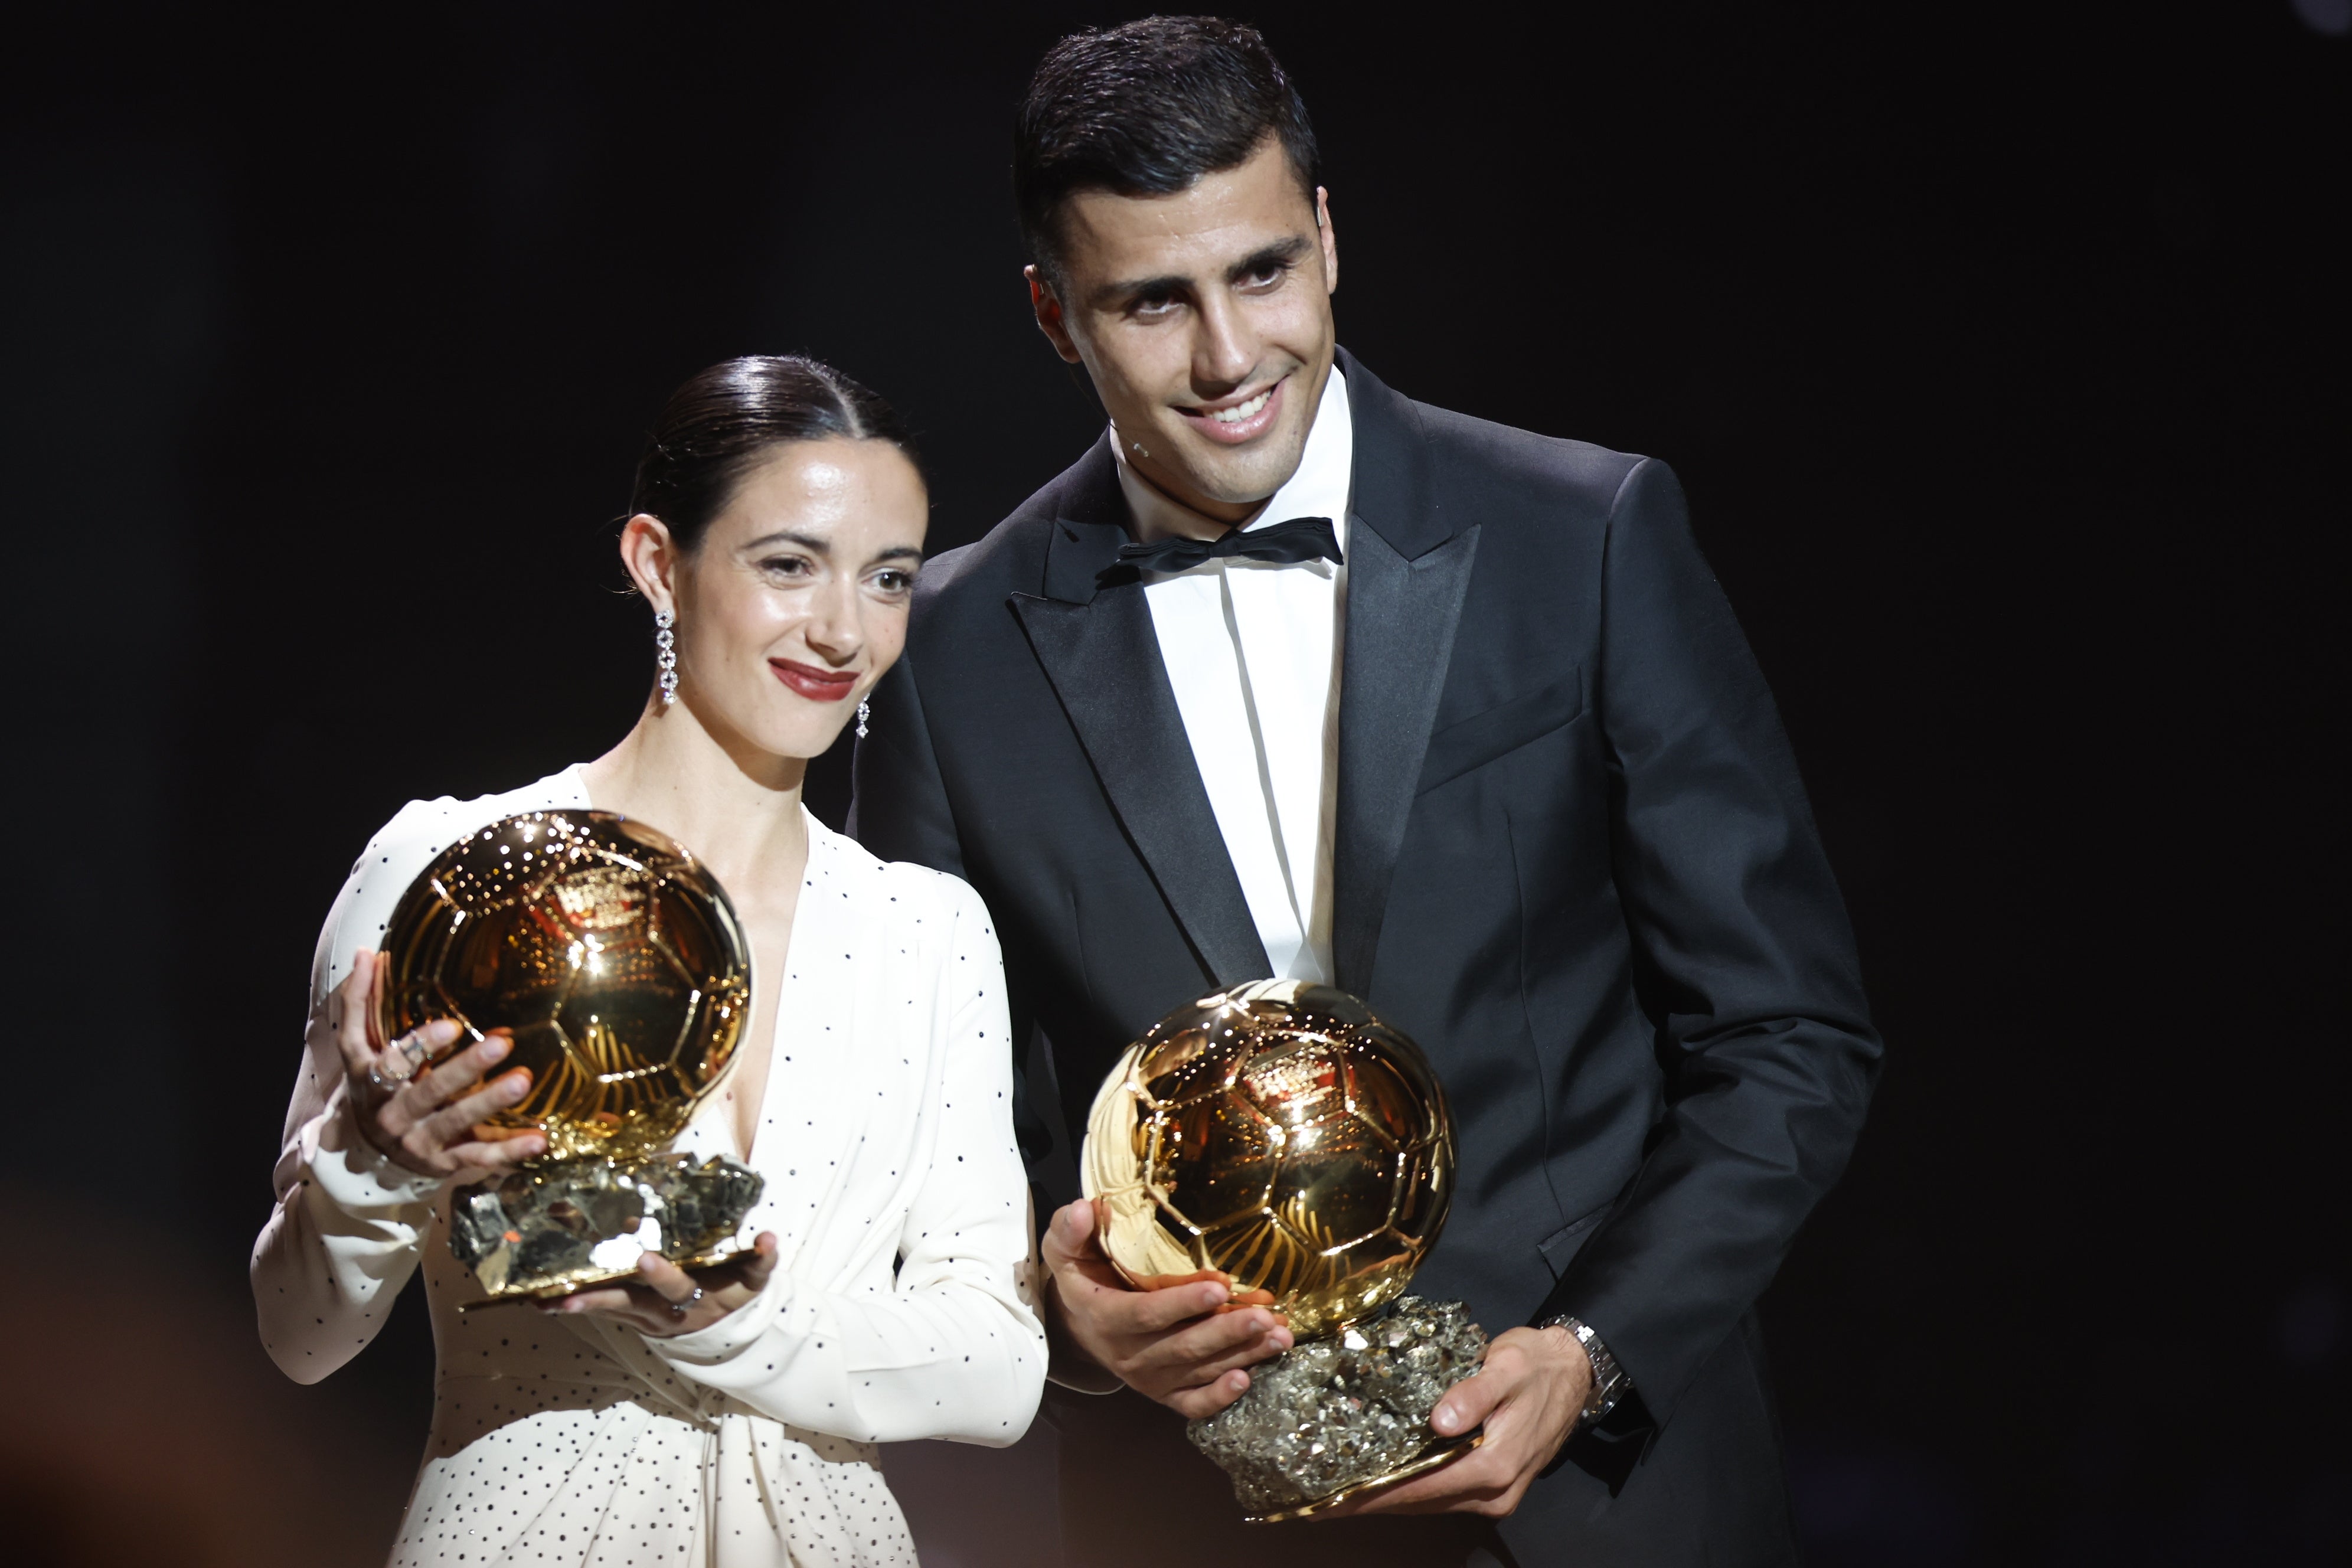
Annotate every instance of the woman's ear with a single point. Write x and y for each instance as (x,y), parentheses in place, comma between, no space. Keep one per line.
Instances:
(651,558)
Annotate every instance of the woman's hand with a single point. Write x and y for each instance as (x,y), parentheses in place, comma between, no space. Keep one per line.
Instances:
(671,1301)
(425,1122)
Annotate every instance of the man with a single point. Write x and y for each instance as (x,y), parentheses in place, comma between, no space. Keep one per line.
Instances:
(1454,718)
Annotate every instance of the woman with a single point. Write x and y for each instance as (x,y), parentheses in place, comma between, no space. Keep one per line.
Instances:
(728,1417)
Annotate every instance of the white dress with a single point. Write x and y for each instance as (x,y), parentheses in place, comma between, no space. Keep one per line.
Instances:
(901,1309)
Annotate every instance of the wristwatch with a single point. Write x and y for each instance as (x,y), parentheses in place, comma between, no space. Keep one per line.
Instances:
(1609,1383)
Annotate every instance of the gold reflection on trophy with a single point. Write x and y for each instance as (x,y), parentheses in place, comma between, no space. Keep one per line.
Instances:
(614,959)
(609,952)
(1282,1134)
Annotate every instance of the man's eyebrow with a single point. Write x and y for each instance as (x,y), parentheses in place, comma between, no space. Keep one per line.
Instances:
(1265,257)
(1166,283)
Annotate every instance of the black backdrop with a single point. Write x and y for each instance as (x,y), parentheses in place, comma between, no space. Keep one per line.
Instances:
(2003,353)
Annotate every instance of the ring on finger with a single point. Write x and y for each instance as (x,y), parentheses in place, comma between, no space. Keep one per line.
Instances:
(383,1082)
(412,1049)
(679,1309)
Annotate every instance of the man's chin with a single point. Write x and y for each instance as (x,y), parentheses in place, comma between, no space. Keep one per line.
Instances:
(1243,477)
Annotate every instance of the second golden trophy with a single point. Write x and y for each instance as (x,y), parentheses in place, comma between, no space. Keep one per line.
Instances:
(1282,1135)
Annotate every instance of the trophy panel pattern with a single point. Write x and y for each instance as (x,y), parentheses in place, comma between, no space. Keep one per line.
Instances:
(1278,1132)
(1212,1162)
(608,952)
(1337,1185)
(701,937)
(1194,1063)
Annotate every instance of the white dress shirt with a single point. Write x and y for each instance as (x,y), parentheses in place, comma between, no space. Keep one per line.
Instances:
(1253,650)
(901,1307)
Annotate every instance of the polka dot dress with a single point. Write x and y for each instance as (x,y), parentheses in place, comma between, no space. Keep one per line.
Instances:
(902,1309)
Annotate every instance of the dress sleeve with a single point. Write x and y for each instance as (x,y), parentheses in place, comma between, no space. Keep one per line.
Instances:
(343,1237)
(955,1350)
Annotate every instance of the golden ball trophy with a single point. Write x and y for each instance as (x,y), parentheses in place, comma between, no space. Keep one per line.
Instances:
(1281,1134)
(614,959)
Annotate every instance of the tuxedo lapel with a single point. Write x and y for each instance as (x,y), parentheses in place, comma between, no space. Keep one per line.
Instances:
(1098,647)
(1400,636)
(1407,574)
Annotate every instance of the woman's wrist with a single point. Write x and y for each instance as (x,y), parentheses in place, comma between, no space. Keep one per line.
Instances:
(350,1171)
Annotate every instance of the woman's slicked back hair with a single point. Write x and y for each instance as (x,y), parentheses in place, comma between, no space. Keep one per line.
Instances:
(724,421)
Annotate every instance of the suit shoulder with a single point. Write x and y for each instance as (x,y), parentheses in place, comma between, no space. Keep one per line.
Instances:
(1487,459)
(1010,556)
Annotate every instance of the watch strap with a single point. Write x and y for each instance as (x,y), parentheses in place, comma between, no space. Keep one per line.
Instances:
(1609,1383)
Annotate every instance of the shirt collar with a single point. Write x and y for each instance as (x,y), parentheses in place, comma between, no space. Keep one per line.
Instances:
(1317,488)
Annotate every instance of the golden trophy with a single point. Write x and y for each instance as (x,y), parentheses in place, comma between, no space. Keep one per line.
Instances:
(1281,1134)
(615,962)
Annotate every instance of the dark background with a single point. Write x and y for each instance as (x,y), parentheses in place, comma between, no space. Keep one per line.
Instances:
(2002,352)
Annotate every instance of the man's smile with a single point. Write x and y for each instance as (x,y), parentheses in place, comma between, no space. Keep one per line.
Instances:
(1235,420)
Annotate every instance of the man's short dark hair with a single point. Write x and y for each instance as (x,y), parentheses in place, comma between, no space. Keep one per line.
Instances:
(1146,109)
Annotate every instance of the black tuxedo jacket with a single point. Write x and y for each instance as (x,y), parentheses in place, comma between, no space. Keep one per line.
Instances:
(1573,860)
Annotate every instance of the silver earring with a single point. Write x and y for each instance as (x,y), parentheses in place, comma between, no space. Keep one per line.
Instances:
(864,713)
(666,655)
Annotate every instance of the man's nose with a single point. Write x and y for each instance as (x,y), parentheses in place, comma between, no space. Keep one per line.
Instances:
(1225,350)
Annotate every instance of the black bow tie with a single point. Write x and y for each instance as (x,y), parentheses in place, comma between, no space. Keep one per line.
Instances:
(1300,539)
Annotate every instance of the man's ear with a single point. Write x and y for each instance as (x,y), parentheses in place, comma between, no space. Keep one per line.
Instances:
(1047,308)
(651,557)
(1329,241)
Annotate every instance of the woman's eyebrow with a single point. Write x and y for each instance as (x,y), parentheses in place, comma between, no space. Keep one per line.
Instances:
(815,544)
(896,553)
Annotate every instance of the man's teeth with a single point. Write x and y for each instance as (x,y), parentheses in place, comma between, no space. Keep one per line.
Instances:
(1241,411)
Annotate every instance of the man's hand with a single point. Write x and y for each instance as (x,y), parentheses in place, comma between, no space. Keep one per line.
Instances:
(1184,1344)
(1529,1393)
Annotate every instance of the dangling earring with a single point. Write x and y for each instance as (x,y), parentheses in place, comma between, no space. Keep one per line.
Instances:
(864,713)
(666,656)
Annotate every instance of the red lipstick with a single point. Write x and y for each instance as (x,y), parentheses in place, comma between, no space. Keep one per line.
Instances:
(816,685)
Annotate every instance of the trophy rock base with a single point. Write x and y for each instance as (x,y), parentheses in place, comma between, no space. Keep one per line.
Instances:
(554,1226)
(1335,1417)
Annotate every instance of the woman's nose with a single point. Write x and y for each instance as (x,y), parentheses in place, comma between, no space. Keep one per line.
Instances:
(833,632)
